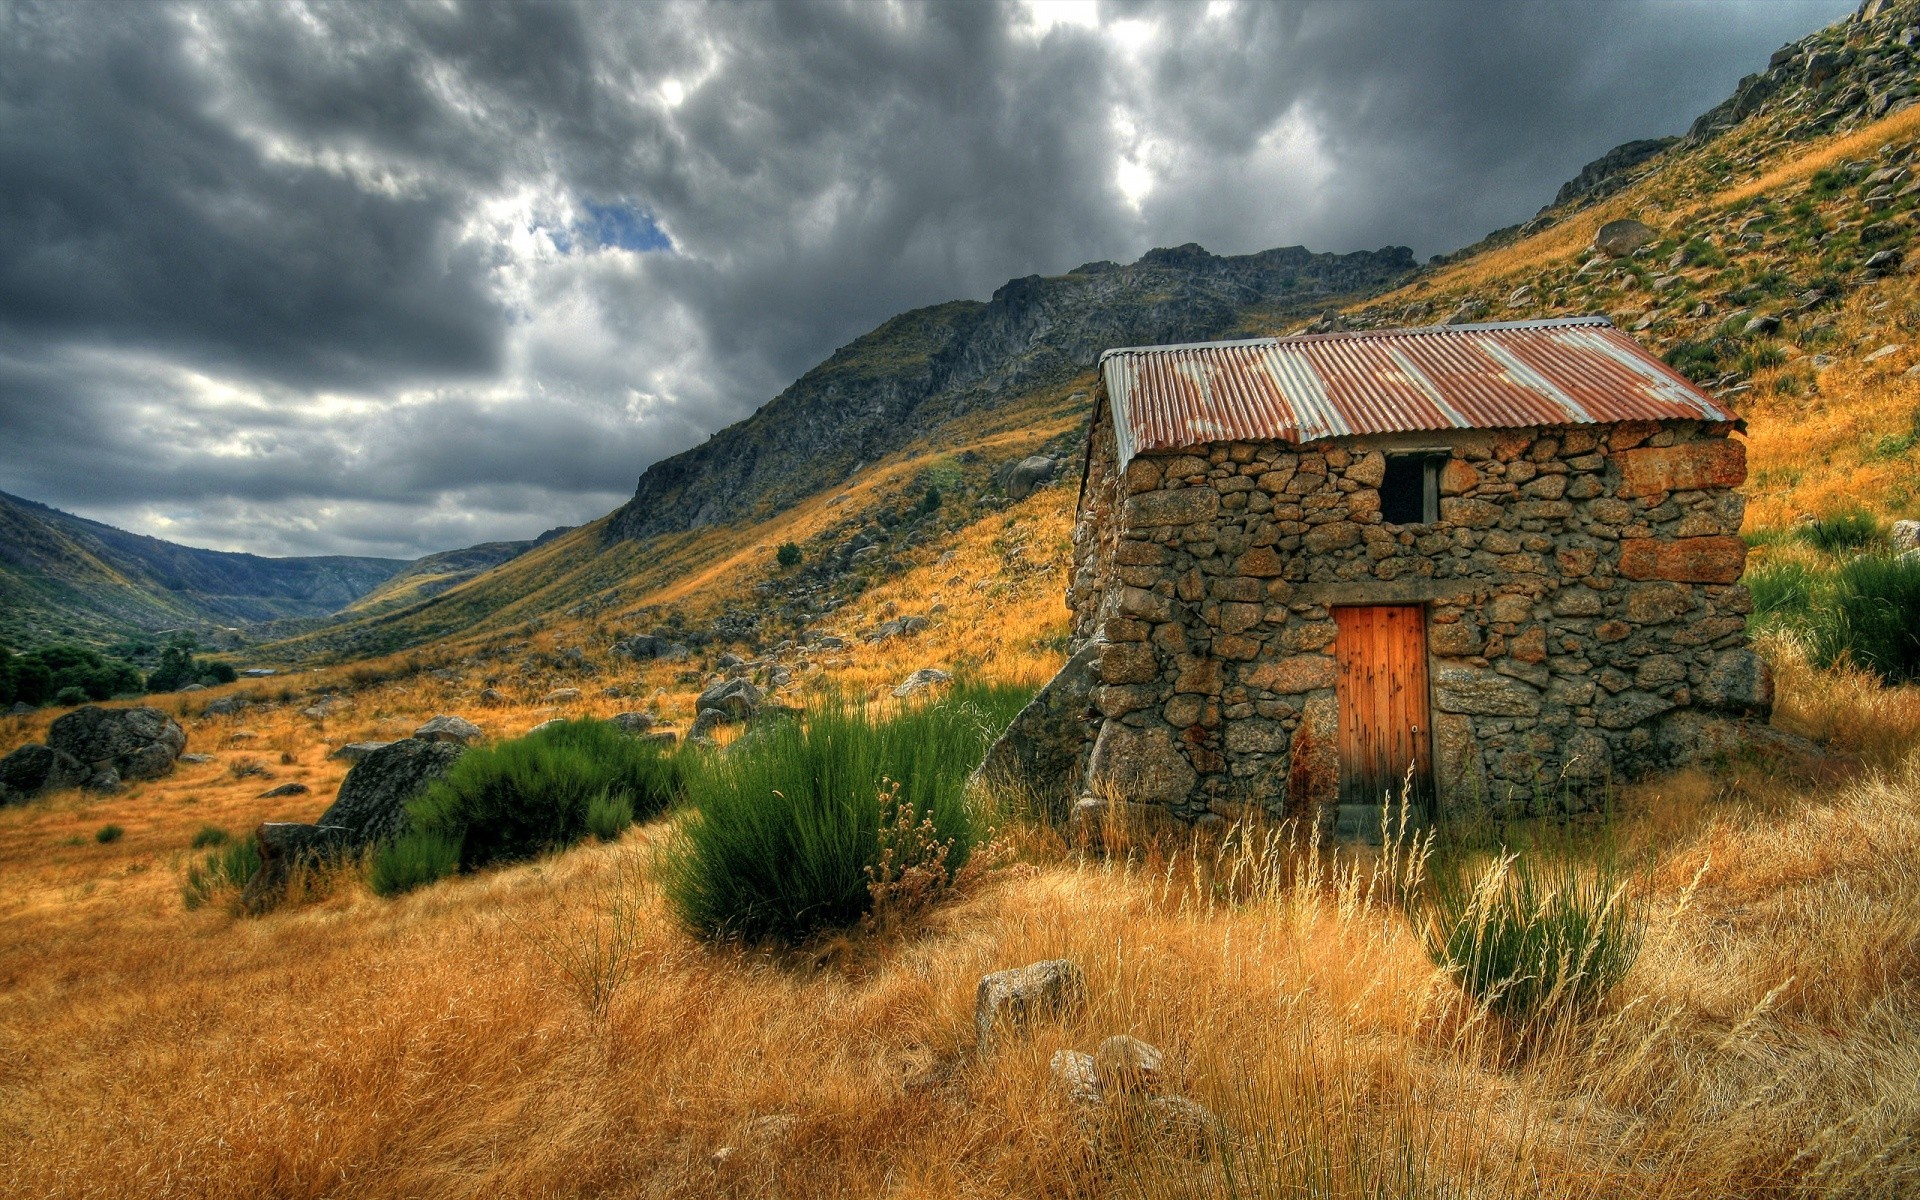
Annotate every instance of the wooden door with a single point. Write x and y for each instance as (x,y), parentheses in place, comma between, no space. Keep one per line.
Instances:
(1385,729)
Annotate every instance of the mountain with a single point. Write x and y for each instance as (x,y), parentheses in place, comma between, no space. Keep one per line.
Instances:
(63,576)
(433,574)
(924,368)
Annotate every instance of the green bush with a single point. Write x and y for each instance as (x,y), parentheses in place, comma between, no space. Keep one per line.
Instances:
(178,667)
(786,834)
(413,860)
(70,697)
(210,835)
(519,799)
(1531,942)
(1850,529)
(788,554)
(1865,611)
(67,675)
(108,833)
(226,868)
(608,816)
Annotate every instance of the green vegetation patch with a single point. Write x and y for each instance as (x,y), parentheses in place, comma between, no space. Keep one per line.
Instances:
(519,799)
(787,836)
(1865,610)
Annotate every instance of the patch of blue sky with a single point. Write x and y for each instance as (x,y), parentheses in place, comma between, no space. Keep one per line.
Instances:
(622,225)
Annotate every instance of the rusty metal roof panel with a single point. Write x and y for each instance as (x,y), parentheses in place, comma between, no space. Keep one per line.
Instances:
(1570,371)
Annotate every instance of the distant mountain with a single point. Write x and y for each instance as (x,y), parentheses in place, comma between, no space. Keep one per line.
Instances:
(921,369)
(427,577)
(64,577)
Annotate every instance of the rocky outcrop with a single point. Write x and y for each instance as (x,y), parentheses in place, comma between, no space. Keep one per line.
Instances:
(1610,172)
(1018,479)
(443,728)
(95,748)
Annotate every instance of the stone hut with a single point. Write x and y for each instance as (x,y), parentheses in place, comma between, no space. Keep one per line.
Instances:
(1476,568)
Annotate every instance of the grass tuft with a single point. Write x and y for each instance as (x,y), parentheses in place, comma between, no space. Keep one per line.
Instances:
(225,870)
(787,836)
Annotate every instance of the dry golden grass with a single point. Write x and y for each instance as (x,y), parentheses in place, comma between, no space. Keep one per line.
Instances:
(1765,1043)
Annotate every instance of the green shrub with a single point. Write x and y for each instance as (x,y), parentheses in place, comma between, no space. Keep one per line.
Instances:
(70,697)
(413,860)
(1850,529)
(786,836)
(108,833)
(210,835)
(608,816)
(1698,252)
(1865,611)
(519,799)
(227,868)
(1532,942)
(788,554)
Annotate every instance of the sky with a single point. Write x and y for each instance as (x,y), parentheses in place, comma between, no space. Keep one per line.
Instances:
(389,279)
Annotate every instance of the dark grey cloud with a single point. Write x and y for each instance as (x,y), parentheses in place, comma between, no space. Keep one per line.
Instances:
(302,278)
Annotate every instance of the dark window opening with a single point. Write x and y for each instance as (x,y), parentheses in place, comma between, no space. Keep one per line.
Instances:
(1410,493)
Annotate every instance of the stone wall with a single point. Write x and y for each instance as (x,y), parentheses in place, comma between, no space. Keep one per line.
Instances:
(1584,619)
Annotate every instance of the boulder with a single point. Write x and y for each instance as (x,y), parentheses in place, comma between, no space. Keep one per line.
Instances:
(31,770)
(1126,1066)
(634,722)
(566,695)
(734,699)
(371,805)
(355,751)
(548,724)
(1618,239)
(285,789)
(226,706)
(449,729)
(1904,536)
(1024,993)
(1073,1073)
(492,698)
(133,743)
(284,846)
(704,723)
(898,627)
(642,646)
(1019,479)
(921,680)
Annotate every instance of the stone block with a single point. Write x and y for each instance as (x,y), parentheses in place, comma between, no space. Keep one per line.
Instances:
(1146,605)
(1133,553)
(1474,514)
(1334,535)
(1237,647)
(1470,690)
(1252,735)
(1237,617)
(1119,701)
(1183,711)
(1144,766)
(1261,562)
(1128,662)
(1288,676)
(1198,676)
(1684,560)
(1455,639)
(1738,681)
(1657,603)
(1631,708)
(1529,647)
(1458,477)
(1143,475)
(1313,770)
(1691,466)
(1182,506)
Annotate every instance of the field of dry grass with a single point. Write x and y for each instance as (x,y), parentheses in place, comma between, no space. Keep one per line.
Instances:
(439,1044)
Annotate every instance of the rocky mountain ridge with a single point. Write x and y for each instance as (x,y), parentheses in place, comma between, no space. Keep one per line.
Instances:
(895,385)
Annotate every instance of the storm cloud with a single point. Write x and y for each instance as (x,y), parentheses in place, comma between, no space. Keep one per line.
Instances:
(387,279)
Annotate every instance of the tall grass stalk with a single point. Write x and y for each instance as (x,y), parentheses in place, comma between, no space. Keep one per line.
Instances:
(1532,942)
(786,835)
(226,869)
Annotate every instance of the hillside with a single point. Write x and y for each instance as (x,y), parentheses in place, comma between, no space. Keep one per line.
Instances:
(432,574)
(63,576)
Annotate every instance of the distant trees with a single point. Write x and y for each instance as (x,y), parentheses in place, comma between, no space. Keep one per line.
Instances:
(178,667)
(71,674)
(788,555)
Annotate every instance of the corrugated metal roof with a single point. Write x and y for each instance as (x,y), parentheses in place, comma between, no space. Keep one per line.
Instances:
(1570,371)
